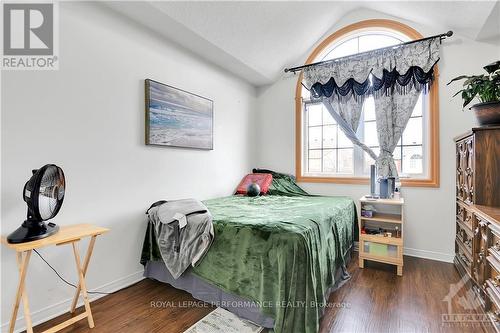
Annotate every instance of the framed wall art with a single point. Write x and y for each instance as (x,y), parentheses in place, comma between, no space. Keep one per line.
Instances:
(177,118)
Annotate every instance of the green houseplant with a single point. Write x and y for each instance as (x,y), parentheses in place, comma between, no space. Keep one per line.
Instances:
(486,89)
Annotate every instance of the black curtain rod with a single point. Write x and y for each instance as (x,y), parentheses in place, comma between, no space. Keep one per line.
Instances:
(298,68)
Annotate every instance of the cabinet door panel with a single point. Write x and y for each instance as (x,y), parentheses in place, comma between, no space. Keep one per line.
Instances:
(469,170)
(459,171)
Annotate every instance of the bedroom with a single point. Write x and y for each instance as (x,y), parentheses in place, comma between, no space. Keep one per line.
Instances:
(82,107)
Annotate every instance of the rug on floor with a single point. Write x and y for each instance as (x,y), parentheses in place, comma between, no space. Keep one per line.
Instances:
(223,321)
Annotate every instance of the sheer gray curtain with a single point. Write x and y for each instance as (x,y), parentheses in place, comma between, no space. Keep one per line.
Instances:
(392,113)
(347,116)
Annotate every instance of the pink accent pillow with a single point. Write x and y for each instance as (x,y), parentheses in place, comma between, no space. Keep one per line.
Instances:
(262,179)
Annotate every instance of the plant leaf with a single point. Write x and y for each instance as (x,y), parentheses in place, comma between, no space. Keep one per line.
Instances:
(467,97)
(461,77)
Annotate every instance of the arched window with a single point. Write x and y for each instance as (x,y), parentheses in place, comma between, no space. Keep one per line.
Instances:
(324,154)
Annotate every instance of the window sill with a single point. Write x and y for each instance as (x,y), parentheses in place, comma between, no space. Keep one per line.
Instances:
(366,181)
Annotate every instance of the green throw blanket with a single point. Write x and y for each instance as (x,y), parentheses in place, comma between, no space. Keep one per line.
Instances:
(279,251)
(283,184)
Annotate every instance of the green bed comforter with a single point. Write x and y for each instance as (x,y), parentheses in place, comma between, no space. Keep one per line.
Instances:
(280,251)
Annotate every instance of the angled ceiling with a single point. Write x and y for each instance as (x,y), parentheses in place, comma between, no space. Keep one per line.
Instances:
(256,40)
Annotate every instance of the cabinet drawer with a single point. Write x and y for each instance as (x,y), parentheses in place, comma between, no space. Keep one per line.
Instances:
(464,236)
(381,250)
(493,312)
(480,249)
(494,278)
(468,218)
(463,257)
(492,290)
(494,238)
(464,215)
(460,212)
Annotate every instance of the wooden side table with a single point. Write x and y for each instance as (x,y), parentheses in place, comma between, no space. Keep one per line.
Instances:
(377,247)
(66,235)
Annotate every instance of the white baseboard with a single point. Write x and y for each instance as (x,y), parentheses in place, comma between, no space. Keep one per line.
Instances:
(54,310)
(439,256)
(407,251)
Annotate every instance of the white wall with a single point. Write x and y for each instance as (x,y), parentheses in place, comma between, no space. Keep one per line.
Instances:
(88,117)
(430,218)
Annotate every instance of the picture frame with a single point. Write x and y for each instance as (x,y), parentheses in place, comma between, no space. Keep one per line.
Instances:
(177,118)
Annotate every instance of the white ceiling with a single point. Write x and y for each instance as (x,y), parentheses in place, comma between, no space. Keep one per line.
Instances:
(256,40)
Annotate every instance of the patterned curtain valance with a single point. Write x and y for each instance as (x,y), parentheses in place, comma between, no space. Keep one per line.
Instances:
(376,72)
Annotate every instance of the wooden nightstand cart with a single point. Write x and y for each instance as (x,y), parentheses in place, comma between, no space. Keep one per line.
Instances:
(66,235)
(381,247)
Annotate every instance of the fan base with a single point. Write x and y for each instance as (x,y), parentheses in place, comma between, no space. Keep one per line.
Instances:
(28,232)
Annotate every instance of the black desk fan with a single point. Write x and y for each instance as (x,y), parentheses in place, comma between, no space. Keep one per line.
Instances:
(44,194)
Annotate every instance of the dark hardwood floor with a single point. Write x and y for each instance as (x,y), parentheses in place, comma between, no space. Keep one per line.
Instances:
(375,299)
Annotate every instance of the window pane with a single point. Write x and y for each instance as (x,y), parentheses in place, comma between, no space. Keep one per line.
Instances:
(314,165)
(329,160)
(345,162)
(367,160)
(370,135)
(369,108)
(412,134)
(327,117)
(347,48)
(314,114)
(316,153)
(343,141)
(314,137)
(412,160)
(375,41)
(330,136)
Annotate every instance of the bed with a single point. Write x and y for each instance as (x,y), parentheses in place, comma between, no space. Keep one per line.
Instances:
(274,259)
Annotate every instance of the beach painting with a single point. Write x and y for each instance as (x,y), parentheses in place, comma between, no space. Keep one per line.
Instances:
(177,118)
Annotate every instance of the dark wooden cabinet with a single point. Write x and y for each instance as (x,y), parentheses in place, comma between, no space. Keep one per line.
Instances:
(477,240)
